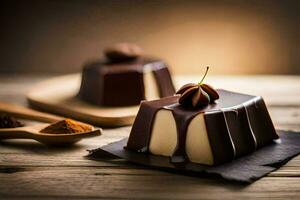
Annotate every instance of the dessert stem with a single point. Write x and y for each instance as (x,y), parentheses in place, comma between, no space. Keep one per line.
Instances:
(199,83)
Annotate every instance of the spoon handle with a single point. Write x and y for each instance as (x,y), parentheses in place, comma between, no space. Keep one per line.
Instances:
(15,133)
(27,113)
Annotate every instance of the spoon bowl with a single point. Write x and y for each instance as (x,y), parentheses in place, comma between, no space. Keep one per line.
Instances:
(33,132)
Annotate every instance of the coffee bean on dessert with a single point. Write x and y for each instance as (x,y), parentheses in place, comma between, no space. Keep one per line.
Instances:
(204,98)
(213,94)
(185,87)
(186,97)
(122,52)
(200,98)
(195,97)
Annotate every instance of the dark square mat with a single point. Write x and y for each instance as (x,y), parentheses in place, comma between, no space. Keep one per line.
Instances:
(245,169)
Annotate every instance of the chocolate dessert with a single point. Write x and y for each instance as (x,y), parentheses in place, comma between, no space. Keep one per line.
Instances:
(125,78)
(202,125)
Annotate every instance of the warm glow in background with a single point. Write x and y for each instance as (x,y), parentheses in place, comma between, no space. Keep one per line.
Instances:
(233,37)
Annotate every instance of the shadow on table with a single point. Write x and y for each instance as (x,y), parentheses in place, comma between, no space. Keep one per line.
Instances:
(36,147)
(210,179)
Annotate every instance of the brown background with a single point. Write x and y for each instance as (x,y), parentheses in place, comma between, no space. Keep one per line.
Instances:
(233,37)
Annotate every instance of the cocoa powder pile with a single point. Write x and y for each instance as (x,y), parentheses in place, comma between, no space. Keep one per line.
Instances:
(66,126)
(9,122)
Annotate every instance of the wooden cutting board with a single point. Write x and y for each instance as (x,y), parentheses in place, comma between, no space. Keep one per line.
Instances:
(59,95)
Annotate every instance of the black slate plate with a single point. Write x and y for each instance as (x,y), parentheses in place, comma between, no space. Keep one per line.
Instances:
(245,169)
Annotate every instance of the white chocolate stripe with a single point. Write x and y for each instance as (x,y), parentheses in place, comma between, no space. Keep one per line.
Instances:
(237,106)
(249,124)
(229,134)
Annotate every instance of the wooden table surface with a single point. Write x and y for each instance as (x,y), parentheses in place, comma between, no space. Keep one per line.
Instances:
(31,170)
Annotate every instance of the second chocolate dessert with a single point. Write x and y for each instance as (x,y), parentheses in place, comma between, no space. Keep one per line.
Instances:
(125,78)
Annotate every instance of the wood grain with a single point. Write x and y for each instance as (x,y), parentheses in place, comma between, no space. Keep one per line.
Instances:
(136,184)
(29,170)
(27,113)
(57,95)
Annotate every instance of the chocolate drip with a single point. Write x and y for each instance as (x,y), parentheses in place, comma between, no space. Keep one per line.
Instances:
(236,125)
(241,131)
(140,142)
(90,77)
(163,80)
(261,123)
(250,127)
(219,137)
(182,120)
(142,127)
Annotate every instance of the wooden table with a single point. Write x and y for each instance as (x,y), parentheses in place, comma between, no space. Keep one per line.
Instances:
(30,170)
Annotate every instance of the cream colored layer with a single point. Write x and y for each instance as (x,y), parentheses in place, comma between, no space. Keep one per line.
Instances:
(151,88)
(164,138)
(198,147)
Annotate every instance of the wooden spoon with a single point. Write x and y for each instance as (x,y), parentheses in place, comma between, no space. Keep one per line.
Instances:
(27,113)
(33,132)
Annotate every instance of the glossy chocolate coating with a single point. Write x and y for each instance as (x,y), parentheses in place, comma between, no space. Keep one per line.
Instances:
(237,124)
(122,83)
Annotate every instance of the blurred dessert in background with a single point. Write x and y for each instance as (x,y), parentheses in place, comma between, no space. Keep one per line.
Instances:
(125,77)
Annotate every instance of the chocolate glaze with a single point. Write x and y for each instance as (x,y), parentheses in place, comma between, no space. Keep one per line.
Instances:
(237,124)
(141,129)
(182,119)
(122,83)
(165,84)
(219,136)
(262,115)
